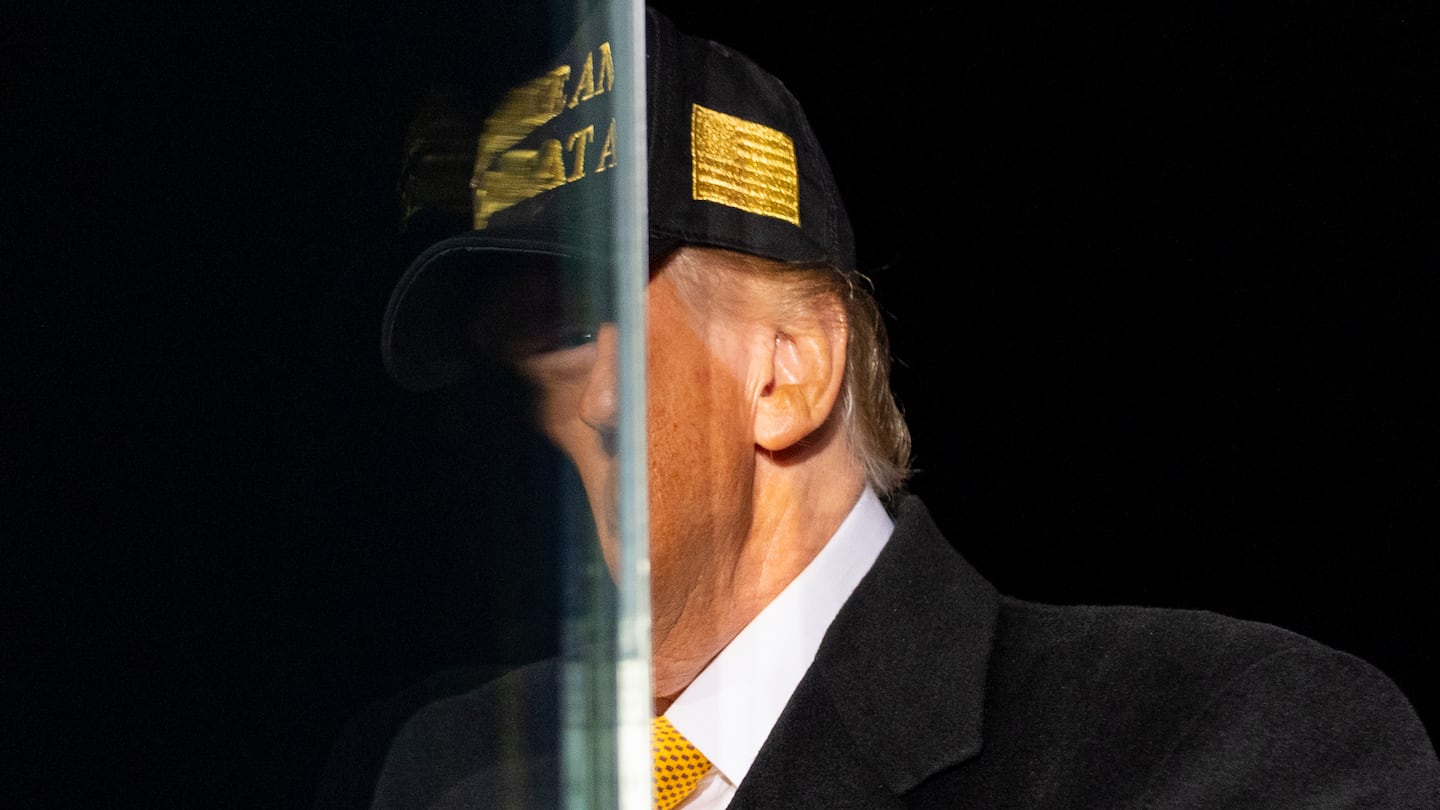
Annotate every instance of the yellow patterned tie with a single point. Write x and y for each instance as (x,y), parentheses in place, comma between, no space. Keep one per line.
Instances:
(679,766)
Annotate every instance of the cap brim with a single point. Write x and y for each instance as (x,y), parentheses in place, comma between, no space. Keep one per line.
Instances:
(477,298)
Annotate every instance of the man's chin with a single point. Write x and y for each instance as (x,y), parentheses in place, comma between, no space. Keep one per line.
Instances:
(607,527)
(610,549)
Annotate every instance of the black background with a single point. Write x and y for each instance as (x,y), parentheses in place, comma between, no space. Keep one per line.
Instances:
(1160,279)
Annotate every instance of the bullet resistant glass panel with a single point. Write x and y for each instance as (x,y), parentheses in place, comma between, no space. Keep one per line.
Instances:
(518,320)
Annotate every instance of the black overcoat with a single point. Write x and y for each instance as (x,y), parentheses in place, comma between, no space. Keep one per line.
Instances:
(933,690)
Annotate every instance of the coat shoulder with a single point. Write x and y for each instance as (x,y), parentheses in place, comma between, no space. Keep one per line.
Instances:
(494,734)
(1123,642)
(1194,703)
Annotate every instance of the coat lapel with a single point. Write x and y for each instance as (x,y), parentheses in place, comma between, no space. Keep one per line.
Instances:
(897,689)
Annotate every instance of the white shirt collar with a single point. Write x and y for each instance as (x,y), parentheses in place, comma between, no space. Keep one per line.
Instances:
(729,709)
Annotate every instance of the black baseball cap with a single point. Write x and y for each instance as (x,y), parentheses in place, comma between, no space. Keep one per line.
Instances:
(733,164)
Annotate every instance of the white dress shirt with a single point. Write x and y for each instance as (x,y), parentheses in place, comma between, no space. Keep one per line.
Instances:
(728,710)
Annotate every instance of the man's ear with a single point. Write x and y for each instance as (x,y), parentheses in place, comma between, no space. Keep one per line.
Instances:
(806,369)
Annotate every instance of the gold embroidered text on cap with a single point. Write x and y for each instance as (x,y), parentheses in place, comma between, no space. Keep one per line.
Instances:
(743,165)
(506,174)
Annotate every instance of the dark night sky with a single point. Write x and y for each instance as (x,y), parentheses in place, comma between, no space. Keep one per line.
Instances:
(1161,282)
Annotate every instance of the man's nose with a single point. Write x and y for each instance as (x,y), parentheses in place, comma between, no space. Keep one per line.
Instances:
(599,401)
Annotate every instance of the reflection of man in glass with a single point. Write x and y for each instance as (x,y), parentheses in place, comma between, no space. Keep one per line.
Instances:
(815,636)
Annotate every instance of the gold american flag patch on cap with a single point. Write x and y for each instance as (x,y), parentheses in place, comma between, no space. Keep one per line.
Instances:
(744,165)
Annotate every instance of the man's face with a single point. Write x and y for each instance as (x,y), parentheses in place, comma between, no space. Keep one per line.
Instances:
(700,427)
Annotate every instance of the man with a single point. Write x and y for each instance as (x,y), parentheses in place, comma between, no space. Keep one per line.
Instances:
(815,637)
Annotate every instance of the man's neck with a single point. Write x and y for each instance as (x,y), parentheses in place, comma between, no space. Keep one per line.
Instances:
(790,525)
